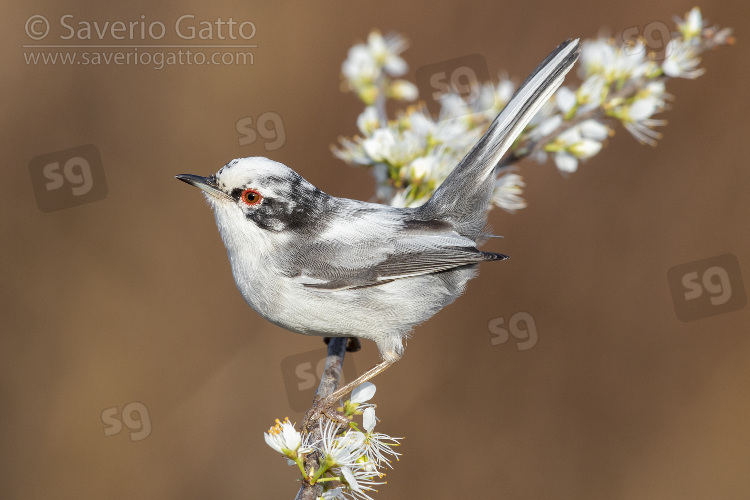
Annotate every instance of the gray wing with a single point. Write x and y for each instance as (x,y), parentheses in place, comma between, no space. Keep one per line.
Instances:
(364,258)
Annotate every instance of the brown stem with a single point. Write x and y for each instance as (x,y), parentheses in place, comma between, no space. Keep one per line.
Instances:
(328,384)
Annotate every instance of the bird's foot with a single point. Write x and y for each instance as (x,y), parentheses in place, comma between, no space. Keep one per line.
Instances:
(323,408)
(352,345)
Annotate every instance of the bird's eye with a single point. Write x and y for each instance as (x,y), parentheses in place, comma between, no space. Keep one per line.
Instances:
(251,197)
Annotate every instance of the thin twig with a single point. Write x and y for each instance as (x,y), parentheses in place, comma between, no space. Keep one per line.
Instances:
(329,382)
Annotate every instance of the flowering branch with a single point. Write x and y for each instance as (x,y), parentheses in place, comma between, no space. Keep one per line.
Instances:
(329,381)
(412,154)
(529,146)
(338,459)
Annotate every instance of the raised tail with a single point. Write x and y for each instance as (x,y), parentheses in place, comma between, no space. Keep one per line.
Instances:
(464,196)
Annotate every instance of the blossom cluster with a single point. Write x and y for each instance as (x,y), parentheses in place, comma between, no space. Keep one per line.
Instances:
(413,153)
(352,459)
(370,69)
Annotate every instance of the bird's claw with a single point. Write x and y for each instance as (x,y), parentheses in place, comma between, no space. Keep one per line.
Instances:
(323,407)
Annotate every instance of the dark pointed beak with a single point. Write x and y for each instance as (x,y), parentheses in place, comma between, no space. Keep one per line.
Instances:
(207,184)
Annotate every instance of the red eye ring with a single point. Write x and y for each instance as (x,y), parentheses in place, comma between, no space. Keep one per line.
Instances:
(251,197)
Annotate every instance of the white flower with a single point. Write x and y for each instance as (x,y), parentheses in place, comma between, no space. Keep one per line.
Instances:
(642,109)
(585,148)
(644,131)
(421,124)
(334,494)
(565,99)
(345,454)
(403,90)
(389,145)
(368,419)
(597,57)
(351,152)
(592,129)
(377,445)
(631,62)
(566,163)
(682,60)
(368,121)
(546,127)
(422,167)
(359,67)
(569,136)
(657,90)
(452,106)
(507,194)
(638,122)
(636,113)
(637,116)
(579,142)
(591,92)
(366,64)
(602,57)
(363,392)
(284,438)
(340,451)
(360,481)
(350,479)
(456,135)
(385,51)
(692,26)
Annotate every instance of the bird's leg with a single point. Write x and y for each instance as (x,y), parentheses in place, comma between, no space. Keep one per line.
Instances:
(343,391)
(324,406)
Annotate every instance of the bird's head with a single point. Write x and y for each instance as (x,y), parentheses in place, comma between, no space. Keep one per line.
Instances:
(259,196)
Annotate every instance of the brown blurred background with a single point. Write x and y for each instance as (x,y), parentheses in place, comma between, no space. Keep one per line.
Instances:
(130,299)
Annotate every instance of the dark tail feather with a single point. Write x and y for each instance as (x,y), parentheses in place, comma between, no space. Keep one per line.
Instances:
(464,196)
